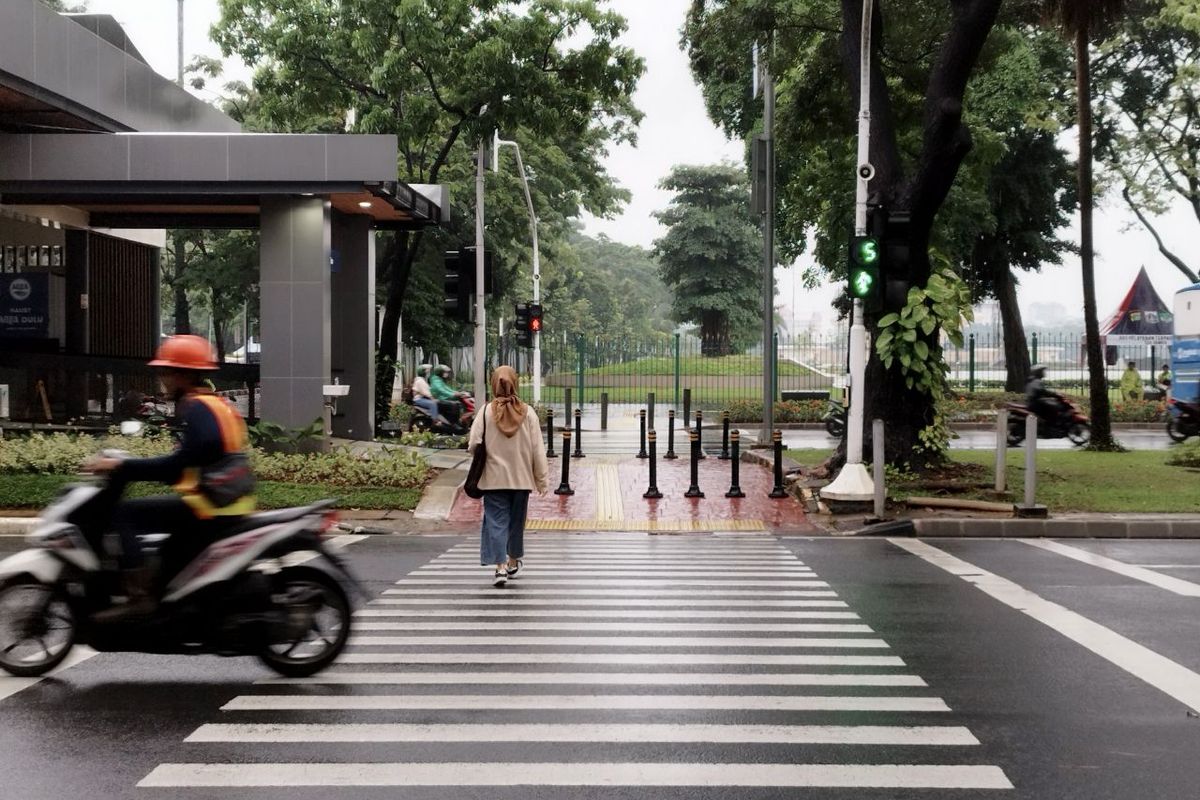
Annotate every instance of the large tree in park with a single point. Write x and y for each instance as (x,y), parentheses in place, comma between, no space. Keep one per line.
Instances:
(1081,20)
(442,75)
(711,255)
(923,132)
(1148,116)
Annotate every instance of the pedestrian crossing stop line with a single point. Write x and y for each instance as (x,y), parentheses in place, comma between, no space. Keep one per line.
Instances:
(711,583)
(401,678)
(675,774)
(573,702)
(903,736)
(534,600)
(629,597)
(477,572)
(593,613)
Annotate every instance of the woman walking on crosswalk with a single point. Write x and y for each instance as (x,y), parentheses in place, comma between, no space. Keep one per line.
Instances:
(515,466)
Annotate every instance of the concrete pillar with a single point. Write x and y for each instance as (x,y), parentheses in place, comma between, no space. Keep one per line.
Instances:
(77,259)
(353,319)
(294,251)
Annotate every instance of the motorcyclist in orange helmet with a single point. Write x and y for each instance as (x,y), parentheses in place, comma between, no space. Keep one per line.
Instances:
(209,470)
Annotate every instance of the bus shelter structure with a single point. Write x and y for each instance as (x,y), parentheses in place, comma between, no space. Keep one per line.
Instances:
(317,200)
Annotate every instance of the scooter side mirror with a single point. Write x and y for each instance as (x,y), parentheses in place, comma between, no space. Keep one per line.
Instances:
(132,427)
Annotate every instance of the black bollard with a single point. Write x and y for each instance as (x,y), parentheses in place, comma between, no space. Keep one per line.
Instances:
(694,489)
(550,434)
(653,493)
(778,491)
(735,487)
(671,456)
(564,488)
(642,451)
(650,411)
(687,405)
(604,411)
(724,436)
(700,434)
(578,434)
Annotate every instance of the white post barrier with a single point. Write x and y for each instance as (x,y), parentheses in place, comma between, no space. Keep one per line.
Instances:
(877,447)
(1002,450)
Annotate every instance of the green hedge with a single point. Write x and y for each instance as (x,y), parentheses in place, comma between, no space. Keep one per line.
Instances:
(789,411)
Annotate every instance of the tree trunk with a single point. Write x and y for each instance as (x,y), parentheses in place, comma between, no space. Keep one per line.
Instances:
(399,257)
(183,321)
(714,334)
(1098,384)
(1016,353)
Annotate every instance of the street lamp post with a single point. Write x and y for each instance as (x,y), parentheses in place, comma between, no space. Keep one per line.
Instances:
(853,483)
(480,311)
(537,265)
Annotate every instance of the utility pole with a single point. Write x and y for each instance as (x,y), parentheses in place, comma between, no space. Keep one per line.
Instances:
(180,287)
(854,483)
(537,265)
(764,203)
(480,313)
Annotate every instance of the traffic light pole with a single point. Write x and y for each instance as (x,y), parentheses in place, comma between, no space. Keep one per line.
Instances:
(480,313)
(768,365)
(537,266)
(854,483)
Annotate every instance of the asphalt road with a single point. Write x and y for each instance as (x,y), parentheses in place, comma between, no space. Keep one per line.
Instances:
(680,667)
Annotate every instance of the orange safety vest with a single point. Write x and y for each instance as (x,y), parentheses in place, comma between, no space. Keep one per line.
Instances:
(234,440)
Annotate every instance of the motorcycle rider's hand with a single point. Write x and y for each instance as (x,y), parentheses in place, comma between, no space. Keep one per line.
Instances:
(101,465)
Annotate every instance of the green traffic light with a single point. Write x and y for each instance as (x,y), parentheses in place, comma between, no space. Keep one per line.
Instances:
(868,251)
(862,281)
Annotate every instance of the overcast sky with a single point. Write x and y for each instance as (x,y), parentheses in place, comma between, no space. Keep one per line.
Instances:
(676,130)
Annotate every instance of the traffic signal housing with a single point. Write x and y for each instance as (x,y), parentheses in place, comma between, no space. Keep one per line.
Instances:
(524,337)
(535,318)
(458,283)
(864,278)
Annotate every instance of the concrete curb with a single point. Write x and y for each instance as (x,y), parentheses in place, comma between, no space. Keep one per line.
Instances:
(17,526)
(1060,528)
(439,496)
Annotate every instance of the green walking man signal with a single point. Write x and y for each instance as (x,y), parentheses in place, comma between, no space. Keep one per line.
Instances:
(864,278)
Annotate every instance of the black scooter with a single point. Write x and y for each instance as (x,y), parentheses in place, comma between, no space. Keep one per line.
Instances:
(1184,420)
(835,419)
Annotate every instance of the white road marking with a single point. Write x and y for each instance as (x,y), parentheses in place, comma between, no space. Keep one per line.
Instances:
(711,583)
(635,561)
(592,613)
(477,573)
(859,776)
(1171,678)
(10,685)
(578,702)
(766,597)
(618,627)
(1176,585)
(1168,566)
(922,735)
(626,659)
(536,598)
(616,641)
(401,678)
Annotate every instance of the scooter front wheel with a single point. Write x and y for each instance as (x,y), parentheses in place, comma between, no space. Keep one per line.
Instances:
(316,626)
(1175,430)
(37,628)
(1080,433)
(835,427)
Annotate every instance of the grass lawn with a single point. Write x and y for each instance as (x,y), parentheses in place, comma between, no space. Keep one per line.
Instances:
(1071,480)
(27,490)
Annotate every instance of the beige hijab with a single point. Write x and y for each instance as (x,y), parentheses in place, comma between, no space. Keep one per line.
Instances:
(507,409)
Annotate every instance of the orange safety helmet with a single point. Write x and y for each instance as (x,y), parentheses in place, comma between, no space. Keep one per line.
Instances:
(185,351)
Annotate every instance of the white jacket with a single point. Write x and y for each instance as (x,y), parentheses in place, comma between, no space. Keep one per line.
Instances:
(516,462)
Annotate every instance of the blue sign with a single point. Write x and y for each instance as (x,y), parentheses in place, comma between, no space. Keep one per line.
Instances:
(25,305)
(1185,370)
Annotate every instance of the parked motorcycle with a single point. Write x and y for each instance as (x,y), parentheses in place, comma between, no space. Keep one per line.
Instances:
(1183,420)
(1070,423)
(270,589)
(835,419)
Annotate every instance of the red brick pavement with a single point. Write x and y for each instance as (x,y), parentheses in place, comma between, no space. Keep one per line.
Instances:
(785,514)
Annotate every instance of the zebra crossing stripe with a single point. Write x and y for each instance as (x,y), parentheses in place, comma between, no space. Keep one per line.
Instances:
(826,776)
(904,736)
(617,641)
(579,702)
(475,573)
(626,659)
(617,627)
(534,598)
(634,582)
(593,613)
(400,678)
(629,597)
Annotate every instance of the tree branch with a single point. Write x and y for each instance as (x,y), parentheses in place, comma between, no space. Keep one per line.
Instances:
(433,88)
(1162,248)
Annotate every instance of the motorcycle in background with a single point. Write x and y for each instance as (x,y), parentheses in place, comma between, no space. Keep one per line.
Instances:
(1183,420)
(1070,423)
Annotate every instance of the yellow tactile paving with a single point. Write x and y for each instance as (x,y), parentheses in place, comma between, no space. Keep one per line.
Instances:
(609,506)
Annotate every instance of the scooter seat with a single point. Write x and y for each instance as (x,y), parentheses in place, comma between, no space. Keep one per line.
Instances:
(264,518)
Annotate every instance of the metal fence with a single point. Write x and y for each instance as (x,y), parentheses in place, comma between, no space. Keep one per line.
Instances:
(805,366)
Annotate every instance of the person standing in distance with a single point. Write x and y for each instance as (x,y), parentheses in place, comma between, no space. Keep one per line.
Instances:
(515,467)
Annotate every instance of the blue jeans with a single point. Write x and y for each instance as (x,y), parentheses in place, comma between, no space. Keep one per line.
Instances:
(503,534)
(428,405)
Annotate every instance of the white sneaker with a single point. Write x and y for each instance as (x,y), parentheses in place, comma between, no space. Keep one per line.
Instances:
(500,579)
(513,570)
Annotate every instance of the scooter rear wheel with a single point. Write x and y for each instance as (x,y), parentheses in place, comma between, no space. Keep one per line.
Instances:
(835,427)
(1080,433)
(318,623)
(1016,431)
(37,628)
